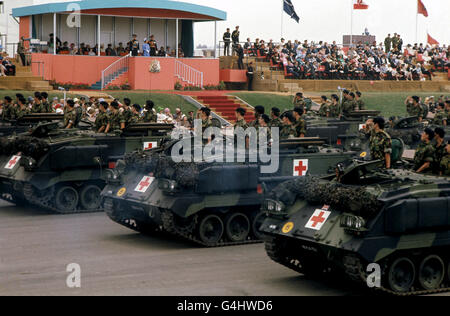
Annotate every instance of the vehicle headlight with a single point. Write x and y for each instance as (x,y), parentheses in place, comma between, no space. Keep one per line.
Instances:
(168,185)
(274,206)
(353,222)
(111,175)
(28,163)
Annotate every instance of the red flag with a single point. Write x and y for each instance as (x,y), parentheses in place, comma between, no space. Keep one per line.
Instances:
(432,41)
(421,8)
(360,5)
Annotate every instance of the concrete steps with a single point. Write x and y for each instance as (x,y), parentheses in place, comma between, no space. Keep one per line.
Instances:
(23,82)
(225,106)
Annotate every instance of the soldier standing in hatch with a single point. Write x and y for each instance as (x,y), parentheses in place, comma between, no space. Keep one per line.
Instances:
(205,114)
(445,162)
(380,142)
(70,115)
(46,106)
(441,118)
(361,106)
(414,108)
(439,148)
(300,124)
(275,118)
(135,114)
(424,157)
(298,101)
(288,129)
(101,121)
(259,110)
(349,104)
(127,113)
(115,120)
(227,42)
(8,109)
(20,110)
(324,110)
(150,115)
(240,121)
(37,104)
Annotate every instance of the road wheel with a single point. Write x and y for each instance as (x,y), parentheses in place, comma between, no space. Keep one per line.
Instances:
(90,198)
(401,275)
(431,272)
(257,221)
(237,227)
(66,199)
(211,230)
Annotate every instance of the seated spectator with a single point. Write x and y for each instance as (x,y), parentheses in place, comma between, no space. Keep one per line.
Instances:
(110,51)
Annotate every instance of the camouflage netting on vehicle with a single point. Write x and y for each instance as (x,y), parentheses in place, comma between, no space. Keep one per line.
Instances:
(186,174)
(28,146)
(350,199)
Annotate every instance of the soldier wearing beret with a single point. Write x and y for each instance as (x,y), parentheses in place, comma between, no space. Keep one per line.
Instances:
(150,115)
(259,110)
(101,121)
(20,110)
(424,157)
(445,162)
(361,106)
(275,118)
(70,115)
(135,114)
(324,110)
(299,101)
(288,129)
(439,148)
(380,141)
(115,120)
(240,121)
(300,124)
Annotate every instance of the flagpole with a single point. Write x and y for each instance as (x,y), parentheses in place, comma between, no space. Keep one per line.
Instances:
(282,14)
(351,24)
(417,22)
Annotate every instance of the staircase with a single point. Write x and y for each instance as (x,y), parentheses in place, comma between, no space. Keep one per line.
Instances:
(225,106)
(111,79)
(24,80)
(112,72)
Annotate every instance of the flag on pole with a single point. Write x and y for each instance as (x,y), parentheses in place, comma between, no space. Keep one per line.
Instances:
(431,40)
(290,10)
(360,5)
(421,9)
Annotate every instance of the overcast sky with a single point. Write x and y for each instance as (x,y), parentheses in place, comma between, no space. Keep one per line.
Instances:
(327,20)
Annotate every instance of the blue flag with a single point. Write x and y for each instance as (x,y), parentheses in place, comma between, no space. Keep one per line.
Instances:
(290,10)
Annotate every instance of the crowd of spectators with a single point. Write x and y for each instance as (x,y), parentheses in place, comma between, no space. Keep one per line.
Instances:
(310,60)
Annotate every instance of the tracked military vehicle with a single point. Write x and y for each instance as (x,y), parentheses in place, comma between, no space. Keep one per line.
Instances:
(366,218)
(61,170)
(27,122)
(209,203)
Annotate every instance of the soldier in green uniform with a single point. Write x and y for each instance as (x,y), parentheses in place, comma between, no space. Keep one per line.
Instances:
(8,109)
(300,124)
(275,118)
(388,43)
(205,114)
(288,129)
(394,43)
(441,118)
(414,108)
(264,122)
(424,157)
(445,162)
(70,115)
(101,121)
(349,104)
(334,106)
(439,148)
(324,110)
(115,120)
(135,114)
(20,110)
(259,110)
(150,115)
(240,121)
(380,141)
(299,101)
(127,112)
(361,106)
(46,106)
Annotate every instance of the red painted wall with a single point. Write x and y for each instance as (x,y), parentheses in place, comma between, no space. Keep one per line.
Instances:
(232,75)
(25,29)
(88,70)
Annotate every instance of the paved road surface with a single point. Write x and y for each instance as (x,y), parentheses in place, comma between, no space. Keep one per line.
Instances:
(36,247)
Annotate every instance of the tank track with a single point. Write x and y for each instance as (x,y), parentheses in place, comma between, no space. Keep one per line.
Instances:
(272,246)
(355,272)
(170,226)
(45,201)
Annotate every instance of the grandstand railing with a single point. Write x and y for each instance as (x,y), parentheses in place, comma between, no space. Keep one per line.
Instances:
(188,74)
(115,70)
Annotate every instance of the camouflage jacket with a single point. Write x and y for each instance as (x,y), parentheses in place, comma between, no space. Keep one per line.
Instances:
(38,108)
(70,117)
(300,103)
(46,107)
(424,153)
(17,113)
(445,165)
(288,131)
(439,118)
(361,105)
(7,111)
(254,124)
(101,120)
(115,120)
(334,111)
(135,118)
(276,123)
(324,109)
(416,111)
(241,123)
(439,154)
(380,145)
(150,117)
(348,106)
(127,115)
(300,128)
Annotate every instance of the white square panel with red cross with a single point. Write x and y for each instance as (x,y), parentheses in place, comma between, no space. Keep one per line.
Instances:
(300,168)
(318,219)
(150,145)
(145,183)
(12,162)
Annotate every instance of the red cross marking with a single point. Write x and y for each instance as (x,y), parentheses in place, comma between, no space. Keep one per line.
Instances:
(12,162)
(144,184)
(318,219)
(300,168)
(149,146)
